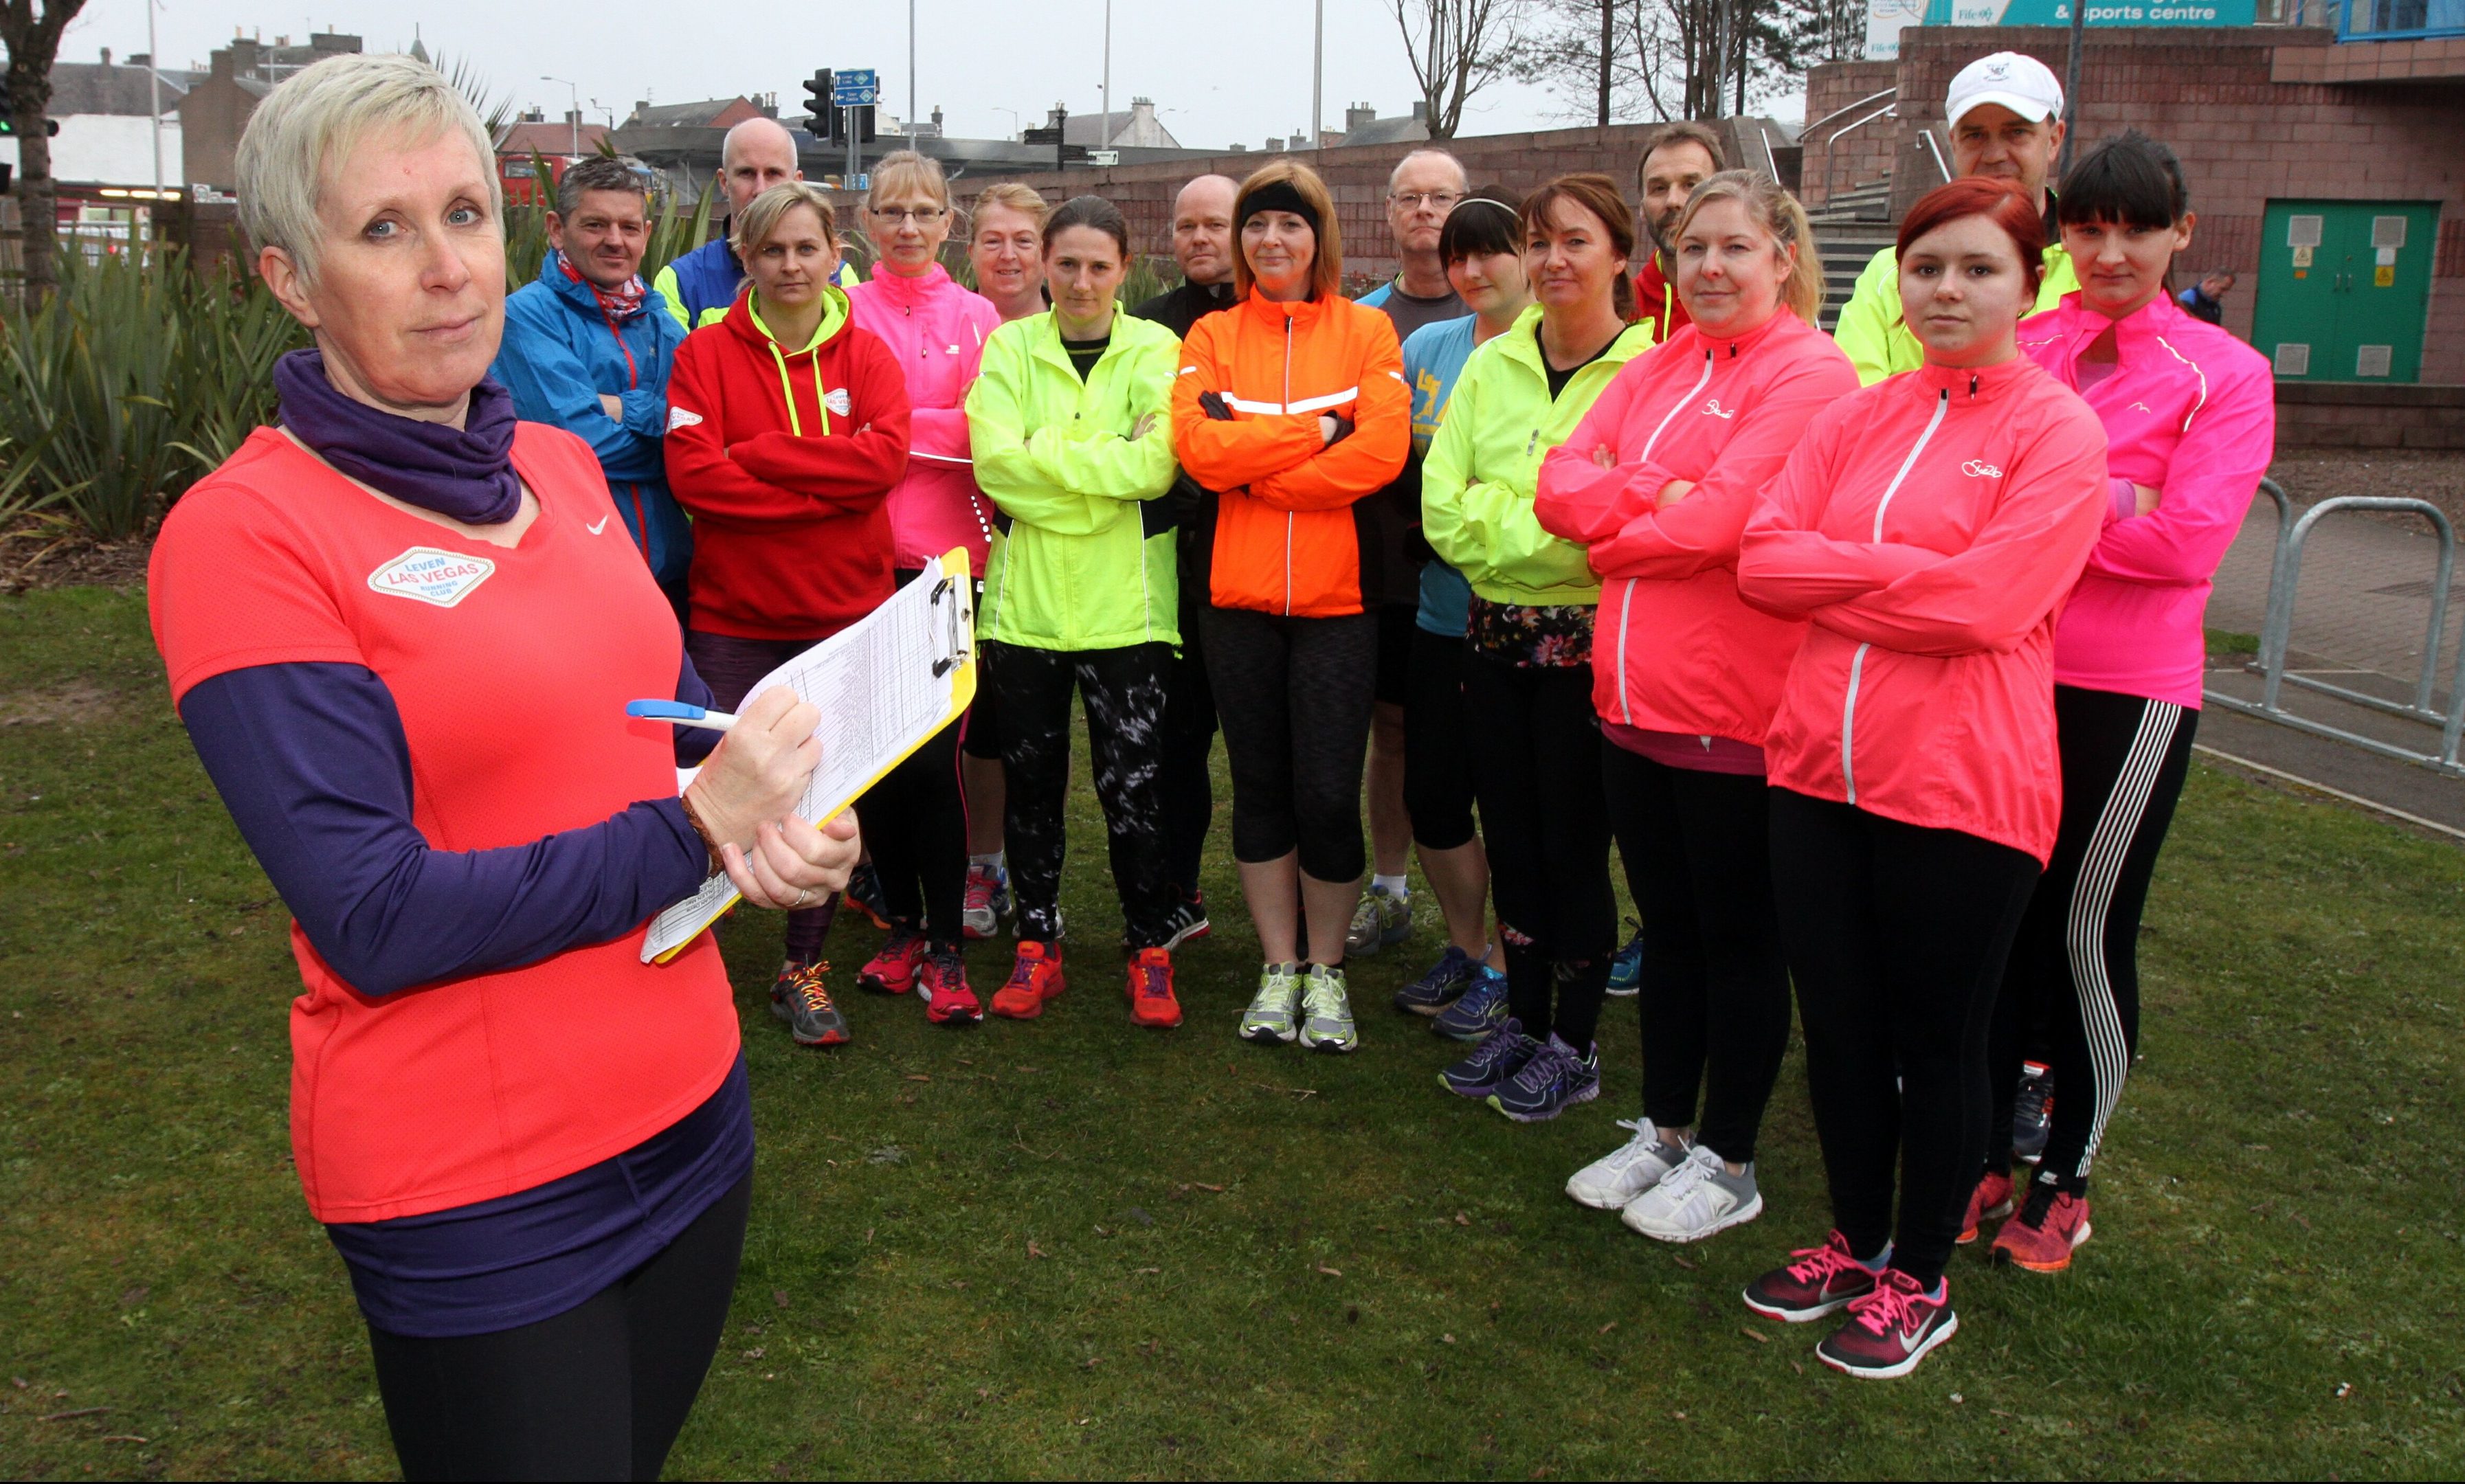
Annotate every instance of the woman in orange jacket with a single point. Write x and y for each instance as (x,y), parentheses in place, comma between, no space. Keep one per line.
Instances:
(1292,407)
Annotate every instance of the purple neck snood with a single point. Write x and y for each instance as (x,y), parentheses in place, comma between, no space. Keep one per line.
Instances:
(466,473)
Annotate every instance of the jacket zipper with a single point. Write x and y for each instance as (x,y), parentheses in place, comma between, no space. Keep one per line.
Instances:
(1625,604)
(1858,661)
(1288,515)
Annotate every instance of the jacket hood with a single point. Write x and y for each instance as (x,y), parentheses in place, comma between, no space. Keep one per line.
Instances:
(746,324)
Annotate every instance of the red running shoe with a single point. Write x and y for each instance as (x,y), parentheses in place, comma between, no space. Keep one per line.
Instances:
(1891,1329)
(1822,1279)
(1991,1200)
(1150,991)
(893,970)
(942,987)
(1035,977)
(2044,1245)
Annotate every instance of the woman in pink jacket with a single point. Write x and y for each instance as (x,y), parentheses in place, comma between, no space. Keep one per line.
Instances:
(1928,527)
(2191,423)
(937,331)
(1658,478)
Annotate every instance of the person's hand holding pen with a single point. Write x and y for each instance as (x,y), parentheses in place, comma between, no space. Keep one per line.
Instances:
(743,798)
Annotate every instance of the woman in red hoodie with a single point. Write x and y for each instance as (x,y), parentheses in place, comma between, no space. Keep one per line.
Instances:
(1659,480)
(787,429)
(1929,529)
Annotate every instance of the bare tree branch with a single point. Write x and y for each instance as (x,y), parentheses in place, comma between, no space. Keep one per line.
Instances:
(1457,48)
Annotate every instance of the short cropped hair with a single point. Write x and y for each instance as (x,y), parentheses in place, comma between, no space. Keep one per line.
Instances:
(1488,222)
(761,217)
(1326,268)
(1685,131)
(1010,196)
(599,172)
(1462,175)
(1998,201)
(311,122)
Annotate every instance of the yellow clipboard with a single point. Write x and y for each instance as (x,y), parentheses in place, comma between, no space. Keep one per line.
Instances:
(885,685)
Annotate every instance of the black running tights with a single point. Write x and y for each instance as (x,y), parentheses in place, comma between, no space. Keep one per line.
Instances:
(597,1392)
(2074,966)
(1295,695)
(729,666)
(1715,992)
(1189,740)
(1123,692)
(1897,936)
(1536,759)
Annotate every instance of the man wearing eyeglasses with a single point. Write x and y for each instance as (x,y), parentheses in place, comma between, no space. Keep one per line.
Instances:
(1426,186)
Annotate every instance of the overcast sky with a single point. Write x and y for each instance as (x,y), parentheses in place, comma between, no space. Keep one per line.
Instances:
(1242,79)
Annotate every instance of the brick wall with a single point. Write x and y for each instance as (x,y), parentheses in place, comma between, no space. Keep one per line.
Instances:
(2333,414)
(1837,155)
(2245,138)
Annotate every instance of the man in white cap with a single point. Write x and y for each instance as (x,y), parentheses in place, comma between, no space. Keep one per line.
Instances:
(2006,113)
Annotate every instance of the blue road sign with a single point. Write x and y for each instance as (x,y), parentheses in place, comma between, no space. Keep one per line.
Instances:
(855,87)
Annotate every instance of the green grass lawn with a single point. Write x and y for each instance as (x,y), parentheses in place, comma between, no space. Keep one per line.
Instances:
(1073,1248)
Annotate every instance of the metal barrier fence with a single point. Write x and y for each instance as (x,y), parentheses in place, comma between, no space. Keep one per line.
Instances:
(2285,575)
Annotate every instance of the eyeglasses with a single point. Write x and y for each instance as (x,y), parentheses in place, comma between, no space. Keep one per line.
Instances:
(922,216)
(1414,200)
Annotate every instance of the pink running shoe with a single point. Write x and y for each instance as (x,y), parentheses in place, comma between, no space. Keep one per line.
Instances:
(2045,1245)
(1820,1280)
(1991,1200)
(943,985)
(893,969)
(1891,1329)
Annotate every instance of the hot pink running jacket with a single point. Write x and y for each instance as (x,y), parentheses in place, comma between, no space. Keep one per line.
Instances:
(1930,526)
(936,331)
(1674,649)
(2191,411)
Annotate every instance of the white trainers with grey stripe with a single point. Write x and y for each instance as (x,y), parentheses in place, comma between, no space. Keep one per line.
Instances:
(1696,1199)
(1614,1178)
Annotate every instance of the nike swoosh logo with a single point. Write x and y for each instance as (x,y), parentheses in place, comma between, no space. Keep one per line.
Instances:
(598,526)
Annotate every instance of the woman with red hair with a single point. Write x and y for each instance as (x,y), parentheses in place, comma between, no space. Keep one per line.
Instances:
(1928,528)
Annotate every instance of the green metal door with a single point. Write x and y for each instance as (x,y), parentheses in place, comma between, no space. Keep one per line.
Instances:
(2344,289)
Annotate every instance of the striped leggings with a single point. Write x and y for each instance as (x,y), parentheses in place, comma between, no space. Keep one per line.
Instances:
(2073,987)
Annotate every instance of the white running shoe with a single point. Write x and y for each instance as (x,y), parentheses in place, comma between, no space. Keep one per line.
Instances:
(1695,1200)
(1608,1183)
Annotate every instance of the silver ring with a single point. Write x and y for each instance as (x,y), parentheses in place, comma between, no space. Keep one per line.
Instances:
(804,894)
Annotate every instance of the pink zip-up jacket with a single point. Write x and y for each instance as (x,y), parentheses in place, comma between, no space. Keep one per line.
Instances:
(2191,411)
(1930,527)
(1674,649)
(935,330)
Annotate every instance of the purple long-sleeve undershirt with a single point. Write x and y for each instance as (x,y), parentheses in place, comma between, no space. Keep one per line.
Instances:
(311,759)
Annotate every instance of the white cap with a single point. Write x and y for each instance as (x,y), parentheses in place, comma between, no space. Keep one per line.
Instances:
(2023,85)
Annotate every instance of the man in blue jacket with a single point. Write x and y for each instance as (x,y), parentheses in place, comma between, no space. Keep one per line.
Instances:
(588,348)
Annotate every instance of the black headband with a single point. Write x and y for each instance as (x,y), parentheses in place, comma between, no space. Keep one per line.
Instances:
(1277,196)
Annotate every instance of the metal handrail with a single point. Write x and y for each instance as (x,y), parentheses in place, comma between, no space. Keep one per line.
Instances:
(1831,156)
(2284,579)
(1870,97)
(1942,167)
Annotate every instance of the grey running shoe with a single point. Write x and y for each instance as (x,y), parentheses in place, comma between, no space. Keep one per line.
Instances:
(2032,1116)
(1380,918)
(1270,1019)
(1624,1173)
(798,997)
(1441,986)
(1327,1011)
(1696,1199)
(1556,1078)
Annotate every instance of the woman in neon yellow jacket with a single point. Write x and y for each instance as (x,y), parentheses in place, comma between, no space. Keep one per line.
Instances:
(1528,669)
(1069,424)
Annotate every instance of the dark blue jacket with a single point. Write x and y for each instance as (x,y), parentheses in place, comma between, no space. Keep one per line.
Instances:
(561,353)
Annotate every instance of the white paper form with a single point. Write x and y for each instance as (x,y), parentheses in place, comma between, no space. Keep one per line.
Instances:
(883,685)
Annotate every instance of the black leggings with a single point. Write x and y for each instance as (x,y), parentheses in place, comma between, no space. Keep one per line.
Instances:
(1715,992)
(1123,692)
(2074,966)
(1535,760)
(1437,758)
(1294,696)
(1189,740)
(597,1392)
(729,666)
(1897,936)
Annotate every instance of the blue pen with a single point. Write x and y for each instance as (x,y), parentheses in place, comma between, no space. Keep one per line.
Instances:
(680,713)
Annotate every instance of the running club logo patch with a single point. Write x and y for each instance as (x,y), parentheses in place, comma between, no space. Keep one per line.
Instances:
(425,574)
(836,399)
(678,417)
(1979,469)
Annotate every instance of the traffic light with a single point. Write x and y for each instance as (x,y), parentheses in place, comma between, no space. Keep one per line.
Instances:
(824,122)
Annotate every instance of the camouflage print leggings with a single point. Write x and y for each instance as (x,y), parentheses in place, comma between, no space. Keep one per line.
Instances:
(1123,691)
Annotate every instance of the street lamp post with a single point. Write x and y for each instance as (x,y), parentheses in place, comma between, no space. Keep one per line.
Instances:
(573,115)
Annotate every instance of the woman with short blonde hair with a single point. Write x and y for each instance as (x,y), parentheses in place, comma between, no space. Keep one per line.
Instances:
(1005,246)
(533,1150)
